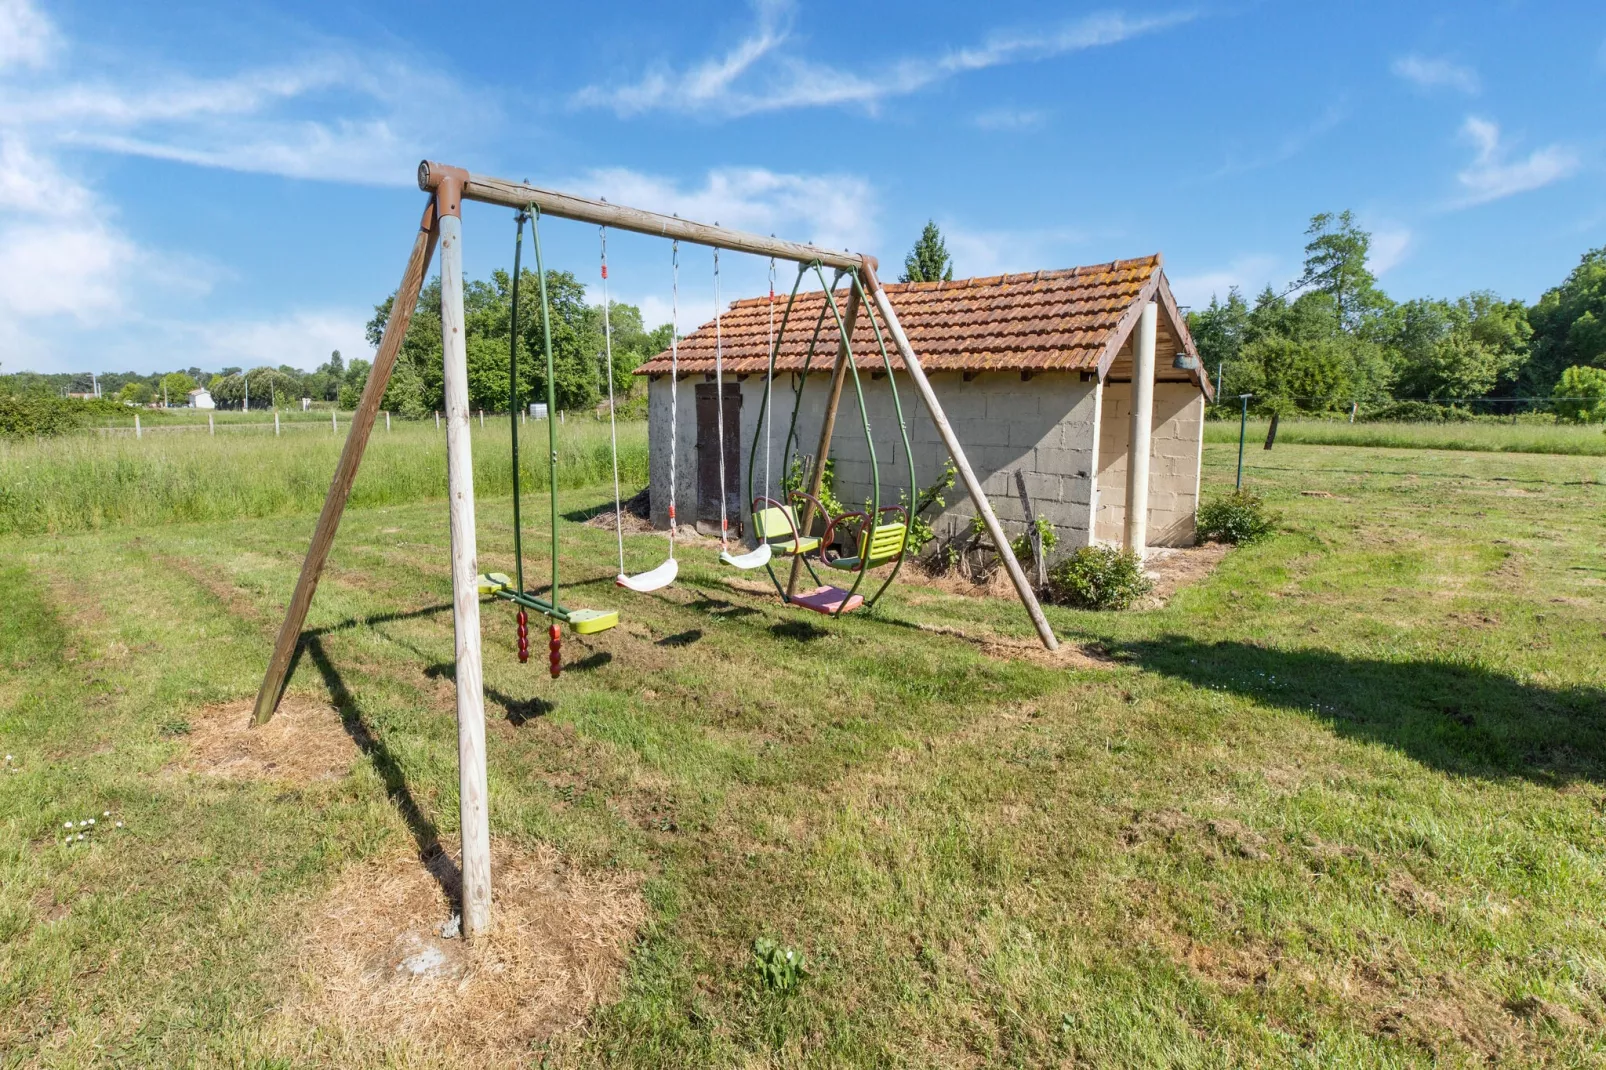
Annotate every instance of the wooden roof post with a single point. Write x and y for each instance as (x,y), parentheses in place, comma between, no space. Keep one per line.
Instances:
(1136,530)
(334,505)
(967,475)
(473,795)
(839,375)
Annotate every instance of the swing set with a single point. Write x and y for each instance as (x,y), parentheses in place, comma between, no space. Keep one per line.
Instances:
(781,525)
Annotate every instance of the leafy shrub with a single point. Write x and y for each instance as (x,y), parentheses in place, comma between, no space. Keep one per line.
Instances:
(780,969)
(26,415)
(1022,546)
(1239,517)
(1581,395)
(1098,577)
(1419,412)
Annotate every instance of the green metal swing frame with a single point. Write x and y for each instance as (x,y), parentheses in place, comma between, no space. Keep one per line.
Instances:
(582,621)
(878,544)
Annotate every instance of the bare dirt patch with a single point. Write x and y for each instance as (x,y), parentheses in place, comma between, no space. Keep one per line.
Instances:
(304,742)
(1067,656)
(635,518)
(1172,569)
(379,971)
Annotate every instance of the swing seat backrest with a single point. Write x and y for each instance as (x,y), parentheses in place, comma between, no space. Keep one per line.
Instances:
(777,525)
(878,544)
(882,543)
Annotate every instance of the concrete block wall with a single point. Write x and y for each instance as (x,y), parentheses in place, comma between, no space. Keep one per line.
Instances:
(1046,426)
(1174,454)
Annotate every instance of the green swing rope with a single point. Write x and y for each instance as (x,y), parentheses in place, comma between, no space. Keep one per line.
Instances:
(513,398)
(551,396)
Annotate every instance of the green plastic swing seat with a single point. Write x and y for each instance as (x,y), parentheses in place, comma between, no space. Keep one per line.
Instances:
(777,525)
(881,544)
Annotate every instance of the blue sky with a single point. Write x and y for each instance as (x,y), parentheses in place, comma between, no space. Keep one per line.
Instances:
(206,184)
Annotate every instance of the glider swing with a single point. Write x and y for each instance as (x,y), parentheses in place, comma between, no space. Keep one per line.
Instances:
(583,621)
(876,541)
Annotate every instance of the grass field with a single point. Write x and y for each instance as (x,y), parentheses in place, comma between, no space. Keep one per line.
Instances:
(83,482)
(1588,440)
(1342,803)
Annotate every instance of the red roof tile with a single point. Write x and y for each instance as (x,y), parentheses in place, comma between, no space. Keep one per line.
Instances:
(1038,321)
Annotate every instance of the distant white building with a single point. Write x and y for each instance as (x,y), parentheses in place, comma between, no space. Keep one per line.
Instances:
(201,398)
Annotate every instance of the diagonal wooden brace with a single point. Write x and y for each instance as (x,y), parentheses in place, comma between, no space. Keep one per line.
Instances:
(334,506)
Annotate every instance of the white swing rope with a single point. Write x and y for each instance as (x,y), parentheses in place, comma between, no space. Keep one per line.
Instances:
(613,424)
(674,379)
(719,409)
(769,381)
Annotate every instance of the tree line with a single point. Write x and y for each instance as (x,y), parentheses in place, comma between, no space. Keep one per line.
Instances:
(1333,339)
(579,364)
(416,388)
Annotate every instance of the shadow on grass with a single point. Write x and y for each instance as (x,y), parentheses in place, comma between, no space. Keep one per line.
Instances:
(685,638)
(1455,717)
(425,835)
(519,711)
(800,631)
(719,607)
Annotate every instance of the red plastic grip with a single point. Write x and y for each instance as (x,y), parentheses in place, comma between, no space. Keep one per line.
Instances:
(524,637)
(555,645)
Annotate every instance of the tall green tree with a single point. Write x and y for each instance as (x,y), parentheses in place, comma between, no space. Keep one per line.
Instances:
(928,261)
(1569,324)
(176,387)
(1335,264)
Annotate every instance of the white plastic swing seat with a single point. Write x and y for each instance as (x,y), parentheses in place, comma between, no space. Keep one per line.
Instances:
(660,577)
(752,559)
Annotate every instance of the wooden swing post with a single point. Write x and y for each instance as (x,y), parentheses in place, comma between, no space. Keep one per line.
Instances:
(967,475)
(334,504)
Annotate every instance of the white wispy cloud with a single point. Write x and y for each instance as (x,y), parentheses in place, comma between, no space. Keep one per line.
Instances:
(27,39)
(75,285)
(832,211)
(1493,175)
(1437,73)
(1390,246)
(1249,273)
(758,75)
(1286,148)
(1010,119)
(1002,251)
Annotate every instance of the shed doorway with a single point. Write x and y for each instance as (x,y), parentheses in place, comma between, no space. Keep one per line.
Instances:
(707,519)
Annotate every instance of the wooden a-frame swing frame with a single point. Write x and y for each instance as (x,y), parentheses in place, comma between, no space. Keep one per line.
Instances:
(442,227)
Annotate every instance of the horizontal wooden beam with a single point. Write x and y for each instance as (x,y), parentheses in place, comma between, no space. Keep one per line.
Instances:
(518,195)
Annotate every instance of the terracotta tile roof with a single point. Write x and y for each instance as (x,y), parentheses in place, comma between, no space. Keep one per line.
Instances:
(1038,321)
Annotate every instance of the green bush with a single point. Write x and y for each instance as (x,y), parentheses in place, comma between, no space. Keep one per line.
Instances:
(1425,412)
(1239,517)
(1581,395)
(27,415)
(1098,577)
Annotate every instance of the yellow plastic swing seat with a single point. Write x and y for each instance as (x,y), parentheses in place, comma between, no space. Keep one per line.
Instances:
(591,621)
(880,545)
(777,526)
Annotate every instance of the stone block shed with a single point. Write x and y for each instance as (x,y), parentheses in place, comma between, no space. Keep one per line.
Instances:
(1035,372)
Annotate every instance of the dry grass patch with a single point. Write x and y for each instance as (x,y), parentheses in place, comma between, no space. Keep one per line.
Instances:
(306,741)
(379,974)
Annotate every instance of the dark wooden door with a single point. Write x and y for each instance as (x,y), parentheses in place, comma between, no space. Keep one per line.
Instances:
(708,458)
